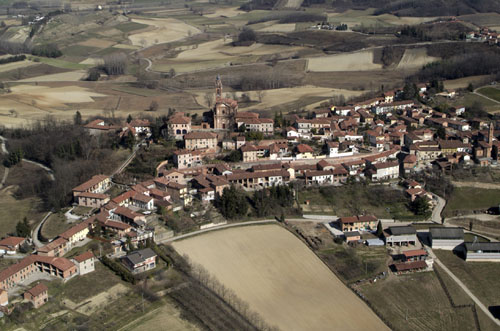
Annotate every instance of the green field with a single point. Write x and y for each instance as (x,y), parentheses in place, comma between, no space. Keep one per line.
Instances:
(480,277)
(62,64)
(55,225)
(490,92)
(130,26)
(467,199)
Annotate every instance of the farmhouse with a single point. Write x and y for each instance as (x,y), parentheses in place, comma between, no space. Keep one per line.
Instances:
(90,199)
(4,298)
(415,255)
(140,261)
(446,238)
(354,223)
(58,247)
(406,267)
(352,236)
(37,295)
(488,251)
(401,236)
(383,171)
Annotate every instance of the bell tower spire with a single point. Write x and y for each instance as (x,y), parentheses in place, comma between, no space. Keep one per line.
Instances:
(218,87)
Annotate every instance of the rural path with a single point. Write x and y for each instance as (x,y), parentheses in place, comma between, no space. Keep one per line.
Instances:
(438,209)
(195,233)
(150,64)
(49,171)
(4,178)
(128,160)
(489,186)
(465,288)
(35,234)
(484,96)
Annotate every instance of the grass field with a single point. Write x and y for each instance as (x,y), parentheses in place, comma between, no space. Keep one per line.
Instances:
(381,201)
(416,302)
(163,31)
(55,225)
(357,61)
(130,26)
(167,317)
(469,199)
(490,92)
(280,278)
(480,277)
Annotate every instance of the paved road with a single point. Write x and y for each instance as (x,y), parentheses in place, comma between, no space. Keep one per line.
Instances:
(35,234)
(463,287)
(232,225)
(438,209)
(128,160)
(150,64)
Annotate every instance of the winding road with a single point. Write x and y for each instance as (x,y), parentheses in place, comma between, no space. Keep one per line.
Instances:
(35,233)
(438,209)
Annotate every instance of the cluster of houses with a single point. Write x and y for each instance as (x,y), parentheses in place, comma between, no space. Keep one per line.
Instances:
(483,35)
(413,257)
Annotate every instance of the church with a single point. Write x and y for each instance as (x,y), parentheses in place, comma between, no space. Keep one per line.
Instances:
(225,109)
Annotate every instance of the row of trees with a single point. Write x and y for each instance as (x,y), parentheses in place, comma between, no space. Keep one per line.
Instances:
(273,201)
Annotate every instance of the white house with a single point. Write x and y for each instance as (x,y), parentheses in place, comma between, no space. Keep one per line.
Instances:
(384,170)
(333,148)
(85,262)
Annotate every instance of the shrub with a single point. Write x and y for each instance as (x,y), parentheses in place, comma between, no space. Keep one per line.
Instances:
(47,50)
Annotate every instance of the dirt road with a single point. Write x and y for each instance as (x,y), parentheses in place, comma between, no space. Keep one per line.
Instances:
(488,186)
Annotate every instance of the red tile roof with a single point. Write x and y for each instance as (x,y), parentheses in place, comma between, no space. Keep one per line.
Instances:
(200,135)
(84,256)
(91,182)
(415,252)
(12,241)
(38,289)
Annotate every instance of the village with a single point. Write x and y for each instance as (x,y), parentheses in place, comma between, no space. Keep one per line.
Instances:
(381,140)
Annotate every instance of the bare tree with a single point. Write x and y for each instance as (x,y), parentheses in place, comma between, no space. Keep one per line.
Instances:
(115,64)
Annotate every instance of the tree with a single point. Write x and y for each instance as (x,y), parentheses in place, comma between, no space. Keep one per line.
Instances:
(247,35)
(153,106)
(410,91)
(115,64)
(130,140)
(129,118)
(420,206)
(23,228)
(470,87)
(441,132)
(380,229)
(78,118)
(93,74)
(233,203)
(234,156)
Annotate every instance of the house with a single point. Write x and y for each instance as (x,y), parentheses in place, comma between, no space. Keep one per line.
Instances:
(264,125)
(304,151)
(400,236)
(97,184)
(332,148)
(37,295)
(354,223)
(249,153)
(11,244)
(352,236)
(78,232)
(446,237)
(178,125)
(258,180)
(85,262)
(97,127)
(383,171)
(184,158)
(479,251)
(140,261)
(406,267)
(415,255)
(4,298)
(90,199)
(57,247)
(200,140)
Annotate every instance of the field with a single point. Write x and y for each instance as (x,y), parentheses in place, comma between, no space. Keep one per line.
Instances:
(481,278)
(416,302)
(415,58)
(162,31)
(490,92)
(281,279)
(468,199)
(358,61)
(55,225)
(167,317)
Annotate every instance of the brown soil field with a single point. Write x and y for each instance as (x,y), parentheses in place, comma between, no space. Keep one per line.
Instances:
(16,65)
(280,278)
(357,61)
(225,12)
(415,58)
(99,43)
(71,76)
(288,27)
(162,30)
(464,82)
